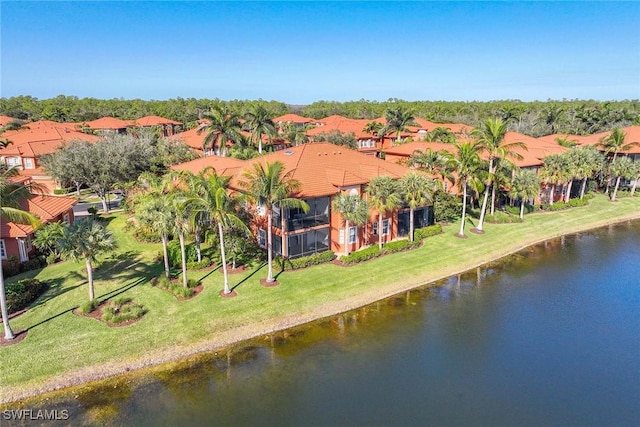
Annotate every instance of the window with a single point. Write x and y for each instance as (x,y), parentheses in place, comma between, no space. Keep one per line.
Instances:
(66,218)
(27,243)
(261,210)
(262,238)
(28,163)
(385,227)
(3,251)
(341,236)
(14,161)
(353,231)
(375,228)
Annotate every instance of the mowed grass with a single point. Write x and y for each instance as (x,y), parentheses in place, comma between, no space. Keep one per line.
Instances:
(59,343)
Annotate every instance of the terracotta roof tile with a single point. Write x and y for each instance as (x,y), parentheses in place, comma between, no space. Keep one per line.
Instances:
(110,123)
(155,121)
(292,118)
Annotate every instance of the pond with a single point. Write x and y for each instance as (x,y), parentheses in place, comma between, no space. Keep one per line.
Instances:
(548,336)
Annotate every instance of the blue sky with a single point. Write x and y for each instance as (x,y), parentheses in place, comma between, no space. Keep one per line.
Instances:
(300,52)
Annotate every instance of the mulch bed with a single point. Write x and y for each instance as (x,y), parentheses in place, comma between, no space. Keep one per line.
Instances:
(238,269)
(18,336)
(266,284)
(97,314)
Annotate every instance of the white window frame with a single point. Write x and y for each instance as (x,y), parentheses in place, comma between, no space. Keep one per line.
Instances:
(3,250)
(28,163)
(353,234)
(262,238)
(385,227)
(341,236)
(66,218)
(374,228)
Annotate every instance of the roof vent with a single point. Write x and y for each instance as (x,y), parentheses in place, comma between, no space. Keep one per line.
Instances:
(288,153)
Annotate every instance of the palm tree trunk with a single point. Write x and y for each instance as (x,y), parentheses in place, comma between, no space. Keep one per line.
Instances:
(522,209)
(269,245)
(584,187)
(90,279)
(615,190)
(165,253)
(183,256)
(493,199)
(567,195)
(227,290)
(553,194)
(380,231)
(483,209)
(346,238)
(8,333)
(198,249)
(260,144)
(464,207)
(411,224)
(635,184)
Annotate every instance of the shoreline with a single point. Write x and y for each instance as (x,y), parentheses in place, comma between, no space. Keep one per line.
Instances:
(237,335)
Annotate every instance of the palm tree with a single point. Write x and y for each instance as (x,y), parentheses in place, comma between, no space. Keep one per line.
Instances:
(259,122)
(433,162)
(397,121)
(525,185)
(209,196)
(417,191)
(635,175)
(384,196)
(615,143)
(622,167)
(372,128)
(554,172)
(222,126)
(354,210)
(47,237)
(465,164)
(587,160)
(294,134)
(268,185)
(85,239)
(12,197)
(490,138)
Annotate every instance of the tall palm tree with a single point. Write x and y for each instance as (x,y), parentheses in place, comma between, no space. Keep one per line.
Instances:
(433,162)
(85,239)
(554,172)
(354,210)
(465,164)
(397,121)
(372,128)
(417,191)
(258,120)
(268,185)
(622,167)
(525,185)
(12,198)
(490,137)
(615,143)
(587,160)
(295,134)
(384,196)
(635,175)
(209,196)
(222,126)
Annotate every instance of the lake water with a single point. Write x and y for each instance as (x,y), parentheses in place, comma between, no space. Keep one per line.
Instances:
(550,336)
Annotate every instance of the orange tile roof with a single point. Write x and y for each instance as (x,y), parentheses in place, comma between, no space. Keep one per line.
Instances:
(41,139)
(190,138)
(155,121)
(292,118)
(632,134)
(344,125)
(407,149)
(46,208)
(110,123)
(321,168)
(6,119)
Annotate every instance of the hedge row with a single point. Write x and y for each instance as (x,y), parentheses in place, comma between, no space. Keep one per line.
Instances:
(23,292)
(305,261)
(573,203)
(424,232)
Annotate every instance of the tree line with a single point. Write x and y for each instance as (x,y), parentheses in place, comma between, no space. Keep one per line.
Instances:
(535,118)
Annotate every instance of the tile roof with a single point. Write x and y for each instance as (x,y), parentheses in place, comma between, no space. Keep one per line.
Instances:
(155,121)
(292,118)
(110,123)
(190,138)
(321,168)
(632,134)
(6,119)
(46,208)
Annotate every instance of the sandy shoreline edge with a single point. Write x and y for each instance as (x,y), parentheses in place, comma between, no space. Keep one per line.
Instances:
(269,326)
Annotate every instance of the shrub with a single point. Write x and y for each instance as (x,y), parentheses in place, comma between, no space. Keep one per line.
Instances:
(23,292)
(503,218)
(59,191)
(399,245)
(121,310)
(175,257)
(424,232)
(306,261)
(572,203)
(361,255)
(176,288)
(89,306)
(33,263)
(11,266)
(195,265)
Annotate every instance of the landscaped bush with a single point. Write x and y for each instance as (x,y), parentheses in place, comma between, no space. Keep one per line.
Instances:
(195,265)
(515,210)
(176,288)
(59,191)
(175,256)
(11,266)
(23,292)
(399,245)
(502,218)
(121,310)
(89,306)
(447,207)
(424,232)
(361,255)
(573,203)
(34,263)
(305,261)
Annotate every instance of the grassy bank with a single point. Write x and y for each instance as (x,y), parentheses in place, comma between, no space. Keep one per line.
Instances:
(62,349)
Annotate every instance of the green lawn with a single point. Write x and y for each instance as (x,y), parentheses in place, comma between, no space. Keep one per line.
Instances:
(62,345)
